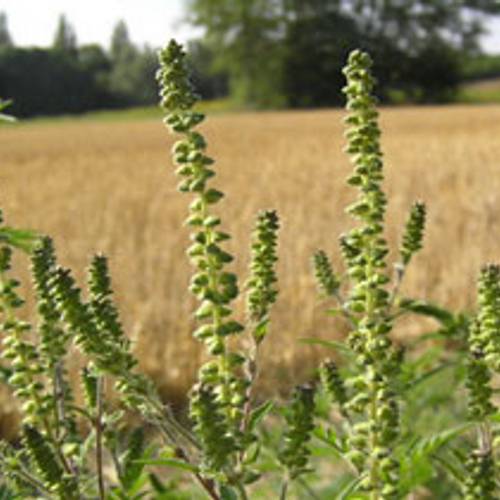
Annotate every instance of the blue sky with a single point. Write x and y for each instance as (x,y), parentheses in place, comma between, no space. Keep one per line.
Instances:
(33,22)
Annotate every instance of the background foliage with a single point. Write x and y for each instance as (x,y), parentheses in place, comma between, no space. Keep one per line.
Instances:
(265,54)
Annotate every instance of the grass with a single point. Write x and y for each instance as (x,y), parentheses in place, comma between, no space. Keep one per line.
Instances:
(107,186)
(215,106)
(480,92)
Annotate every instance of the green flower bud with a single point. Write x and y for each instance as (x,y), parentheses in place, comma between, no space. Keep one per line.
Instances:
(328,283)
(299,419)
(414,232)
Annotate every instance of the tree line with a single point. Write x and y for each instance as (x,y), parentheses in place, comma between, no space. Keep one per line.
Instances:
(263,53)
(68,78)
(290,52)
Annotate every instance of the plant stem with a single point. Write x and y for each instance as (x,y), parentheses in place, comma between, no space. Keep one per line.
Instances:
(98,438)
(345,310)
(165,414)
(307,488)
(284,488)
(400,272)
(241,490)
(206,484)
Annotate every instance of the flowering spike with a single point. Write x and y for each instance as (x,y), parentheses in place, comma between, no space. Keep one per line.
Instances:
(414,232)
(213,286)
(210,426)
(374,434)
(488,335)
(262,282)
(327,281)
(334,384)
(300,424)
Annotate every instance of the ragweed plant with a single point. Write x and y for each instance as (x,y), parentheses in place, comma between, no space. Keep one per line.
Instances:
(220,402)
(481,481)
(79,448)
(373,402)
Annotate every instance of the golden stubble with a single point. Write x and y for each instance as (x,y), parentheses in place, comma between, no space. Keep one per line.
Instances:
(109,186)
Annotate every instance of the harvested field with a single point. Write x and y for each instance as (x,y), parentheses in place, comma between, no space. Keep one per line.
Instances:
(108,186)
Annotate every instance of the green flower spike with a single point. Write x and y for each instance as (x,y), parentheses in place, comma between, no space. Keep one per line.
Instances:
(300,424)
(478,378)
(97,331)
(53,338)
(414,232)
(40,452)
(488,335)
(214,287)
(480,483)
(334,385)
(23,354)
(364,249)
(262,283)
(211,428)
(327,281)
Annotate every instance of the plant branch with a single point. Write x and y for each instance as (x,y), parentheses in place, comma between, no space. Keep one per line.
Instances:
(99,436)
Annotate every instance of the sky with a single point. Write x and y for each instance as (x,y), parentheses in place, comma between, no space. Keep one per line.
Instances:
(33,22)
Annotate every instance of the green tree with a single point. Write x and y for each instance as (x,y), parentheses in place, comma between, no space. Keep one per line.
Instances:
(315,53)
(295,48)
(209,82)
(5,37)
(133,70)
(65,37)
(122,48)
(245,35)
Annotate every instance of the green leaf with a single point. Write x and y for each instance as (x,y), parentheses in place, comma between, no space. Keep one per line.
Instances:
(328,437)
(259,413)
(171,462)
(23,239)
(334,311)
(417,461)
(346,493)
(327,343)
(7,494)
(429,309)
(6,118)
(450,468)
(227,493)
(429,374)
(3,117)
(432,443)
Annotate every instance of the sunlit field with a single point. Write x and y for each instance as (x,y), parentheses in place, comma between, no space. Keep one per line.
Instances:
(109,186)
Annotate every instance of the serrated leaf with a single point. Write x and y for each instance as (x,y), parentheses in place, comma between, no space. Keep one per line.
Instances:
(432,443)
(450,468)
(417,461)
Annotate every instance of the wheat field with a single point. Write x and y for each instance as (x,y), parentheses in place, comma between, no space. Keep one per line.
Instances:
(109,186)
